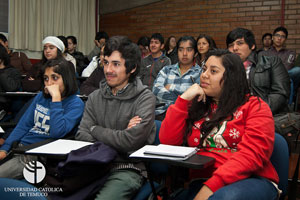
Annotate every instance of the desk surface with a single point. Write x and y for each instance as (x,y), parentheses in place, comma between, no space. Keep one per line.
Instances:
(31,94)
(23,149)
(195,162)
(18,94)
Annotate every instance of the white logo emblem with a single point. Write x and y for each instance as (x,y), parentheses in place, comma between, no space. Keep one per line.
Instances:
(34,172)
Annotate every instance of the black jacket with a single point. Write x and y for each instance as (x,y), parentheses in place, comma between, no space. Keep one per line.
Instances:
(270,80)
(10,81)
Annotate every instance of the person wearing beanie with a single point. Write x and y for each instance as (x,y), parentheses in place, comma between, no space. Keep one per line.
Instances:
(52,49)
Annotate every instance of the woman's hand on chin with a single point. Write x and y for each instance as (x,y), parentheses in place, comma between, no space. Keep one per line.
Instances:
(53,90)
(194,91)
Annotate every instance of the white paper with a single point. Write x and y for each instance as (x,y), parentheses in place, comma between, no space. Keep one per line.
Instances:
(164,152)
(59,147)
(1,130)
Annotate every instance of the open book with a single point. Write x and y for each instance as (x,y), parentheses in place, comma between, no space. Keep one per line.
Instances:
(163,151)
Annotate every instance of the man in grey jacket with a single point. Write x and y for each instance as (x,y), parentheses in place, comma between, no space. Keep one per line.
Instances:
(120,114)
(152,64)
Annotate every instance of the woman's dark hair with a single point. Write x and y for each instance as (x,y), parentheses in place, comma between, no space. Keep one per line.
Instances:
(4,57)
(67,72)
(167,45)
(128,50)
(233,95)
(144,41)
(73,38)
(211,42)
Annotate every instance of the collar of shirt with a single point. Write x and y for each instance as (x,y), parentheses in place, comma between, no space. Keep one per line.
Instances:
(108,89)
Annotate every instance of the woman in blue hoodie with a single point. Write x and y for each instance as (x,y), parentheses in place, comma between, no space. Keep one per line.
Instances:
(54,112)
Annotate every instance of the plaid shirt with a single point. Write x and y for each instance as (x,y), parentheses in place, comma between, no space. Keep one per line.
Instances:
(171,75)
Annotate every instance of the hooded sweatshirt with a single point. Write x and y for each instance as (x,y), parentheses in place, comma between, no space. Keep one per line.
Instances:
(106,117)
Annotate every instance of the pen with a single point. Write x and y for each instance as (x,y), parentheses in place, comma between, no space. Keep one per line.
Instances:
(192,79)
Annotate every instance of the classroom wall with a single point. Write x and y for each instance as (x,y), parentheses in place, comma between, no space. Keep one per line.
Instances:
(212,17)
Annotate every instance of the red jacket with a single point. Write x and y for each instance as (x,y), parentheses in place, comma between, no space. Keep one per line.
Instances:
(242,147)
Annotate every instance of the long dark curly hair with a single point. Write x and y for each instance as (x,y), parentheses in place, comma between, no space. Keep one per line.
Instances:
(233,94)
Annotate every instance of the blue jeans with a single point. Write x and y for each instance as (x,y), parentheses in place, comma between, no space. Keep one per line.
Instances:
(254,188)
(295,76)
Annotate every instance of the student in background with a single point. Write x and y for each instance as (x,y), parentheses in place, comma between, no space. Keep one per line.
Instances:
(267,76)
(65,53)
(204,44)
(79,57)
(175,79)
(54,112)
(92,83)
(171,50)
(229,124)
(10,80)
(96,62)
(143,44)
(266,42)
(153,63)
(52,49)
(18,60)
(287,56)
(100,39)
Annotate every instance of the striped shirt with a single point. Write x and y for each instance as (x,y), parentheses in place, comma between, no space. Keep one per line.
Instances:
(170,75)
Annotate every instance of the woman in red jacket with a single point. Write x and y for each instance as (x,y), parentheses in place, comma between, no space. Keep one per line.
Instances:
(227,123)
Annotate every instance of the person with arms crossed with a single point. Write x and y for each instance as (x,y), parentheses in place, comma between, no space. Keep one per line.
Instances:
(121,115)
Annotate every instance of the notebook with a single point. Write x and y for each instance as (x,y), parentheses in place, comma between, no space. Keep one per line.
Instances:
(164,151)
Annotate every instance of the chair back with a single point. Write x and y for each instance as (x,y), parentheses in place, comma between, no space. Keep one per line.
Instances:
(280,160)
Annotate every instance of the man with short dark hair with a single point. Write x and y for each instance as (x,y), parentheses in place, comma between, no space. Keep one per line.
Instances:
(175,79)
(100,39)
(287,56)
(266,42)
(153,63)
(18,60)
(267,76)
(120,114)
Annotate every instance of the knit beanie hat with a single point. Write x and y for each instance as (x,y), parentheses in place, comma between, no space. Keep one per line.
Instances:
(54,41)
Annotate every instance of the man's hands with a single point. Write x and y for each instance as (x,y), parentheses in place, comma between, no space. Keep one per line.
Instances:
(194,91)
(134,121)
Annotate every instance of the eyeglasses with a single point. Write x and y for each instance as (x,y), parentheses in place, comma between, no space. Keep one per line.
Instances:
(280,36)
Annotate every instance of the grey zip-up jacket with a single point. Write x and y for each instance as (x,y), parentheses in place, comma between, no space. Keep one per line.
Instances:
(106,117)
(150,68)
